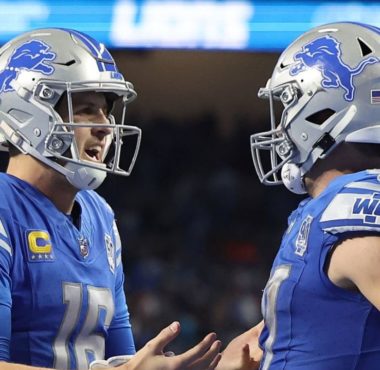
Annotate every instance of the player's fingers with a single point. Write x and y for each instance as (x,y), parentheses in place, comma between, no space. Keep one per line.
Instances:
(197,351)
(215,362)
(249,362)
(246,354)
(158,343)
(257,353)
(210,359)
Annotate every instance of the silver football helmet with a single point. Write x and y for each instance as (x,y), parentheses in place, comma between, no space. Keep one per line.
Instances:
(328,84)
(36,70)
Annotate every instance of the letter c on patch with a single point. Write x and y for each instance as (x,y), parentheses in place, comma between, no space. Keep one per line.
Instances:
(39,242)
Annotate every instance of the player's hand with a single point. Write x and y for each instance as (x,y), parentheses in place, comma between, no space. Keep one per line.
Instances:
(243,352)
(204,356)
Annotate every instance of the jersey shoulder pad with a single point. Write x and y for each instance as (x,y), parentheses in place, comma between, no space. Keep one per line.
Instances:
(6,193)
(356,207)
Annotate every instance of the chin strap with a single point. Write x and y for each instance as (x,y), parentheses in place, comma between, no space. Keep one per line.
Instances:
(84,178)
(292,179)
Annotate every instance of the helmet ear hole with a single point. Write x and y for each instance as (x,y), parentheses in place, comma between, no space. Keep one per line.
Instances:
(61,106)
(320,117)
(112,100)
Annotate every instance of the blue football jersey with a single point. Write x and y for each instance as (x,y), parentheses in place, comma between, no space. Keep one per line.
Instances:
(310,323)
(62,301)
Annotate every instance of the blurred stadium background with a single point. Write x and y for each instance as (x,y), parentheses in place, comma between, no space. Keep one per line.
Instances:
(199,230)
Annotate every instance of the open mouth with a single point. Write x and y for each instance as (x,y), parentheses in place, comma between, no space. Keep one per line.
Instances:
(93,154)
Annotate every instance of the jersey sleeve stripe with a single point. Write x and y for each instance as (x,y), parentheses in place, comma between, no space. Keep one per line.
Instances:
(5,246)
(364,185)
(118,260)
(340,208)
(2,230)
(117,236)
(347,228)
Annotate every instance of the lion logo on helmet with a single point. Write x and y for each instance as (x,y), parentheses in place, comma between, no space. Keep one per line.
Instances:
(31,56)
(325,55)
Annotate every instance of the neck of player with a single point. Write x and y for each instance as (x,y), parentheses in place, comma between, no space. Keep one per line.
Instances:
(48,181)
(347,158)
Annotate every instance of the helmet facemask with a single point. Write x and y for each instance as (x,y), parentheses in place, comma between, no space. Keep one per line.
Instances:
(275,143)
(62,136)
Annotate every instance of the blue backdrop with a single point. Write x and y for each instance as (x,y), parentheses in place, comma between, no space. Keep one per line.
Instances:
(212,24)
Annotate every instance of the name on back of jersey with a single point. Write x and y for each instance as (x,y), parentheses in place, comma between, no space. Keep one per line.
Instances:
(352,212)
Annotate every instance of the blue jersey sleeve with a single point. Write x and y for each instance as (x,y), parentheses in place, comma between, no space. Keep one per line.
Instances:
(120,339)
(6,257)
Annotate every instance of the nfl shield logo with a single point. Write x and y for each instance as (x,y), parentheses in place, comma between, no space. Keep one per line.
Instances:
(110,249)
(83,246)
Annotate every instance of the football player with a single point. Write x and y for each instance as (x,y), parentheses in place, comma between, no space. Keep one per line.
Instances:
(62,303)
(321,303)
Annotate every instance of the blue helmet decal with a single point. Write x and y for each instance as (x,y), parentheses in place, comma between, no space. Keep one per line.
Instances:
(33,55)
(324,54)
(98,51)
